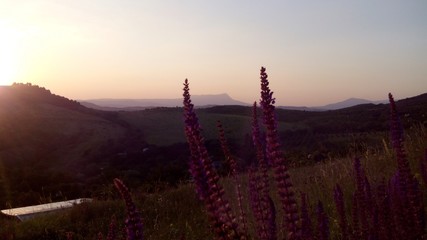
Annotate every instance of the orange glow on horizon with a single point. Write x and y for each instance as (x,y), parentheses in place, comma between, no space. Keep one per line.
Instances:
(10,54)
(88,49)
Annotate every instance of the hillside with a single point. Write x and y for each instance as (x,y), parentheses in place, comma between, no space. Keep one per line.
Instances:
(52,127)
(47,139)
(53,148)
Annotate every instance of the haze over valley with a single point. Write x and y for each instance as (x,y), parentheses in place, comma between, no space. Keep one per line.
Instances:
(205,101)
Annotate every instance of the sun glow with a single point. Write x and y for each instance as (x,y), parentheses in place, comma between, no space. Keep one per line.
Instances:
(10,54)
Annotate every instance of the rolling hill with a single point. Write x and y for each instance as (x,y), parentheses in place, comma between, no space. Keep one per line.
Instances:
(56,148)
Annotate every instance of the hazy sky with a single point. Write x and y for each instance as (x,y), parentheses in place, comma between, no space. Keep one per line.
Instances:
(315,52)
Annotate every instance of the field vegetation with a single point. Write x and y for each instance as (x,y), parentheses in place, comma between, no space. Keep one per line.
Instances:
(176,212)
(307,155)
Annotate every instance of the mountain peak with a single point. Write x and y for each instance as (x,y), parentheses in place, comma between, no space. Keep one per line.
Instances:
(198,100)
(350,102)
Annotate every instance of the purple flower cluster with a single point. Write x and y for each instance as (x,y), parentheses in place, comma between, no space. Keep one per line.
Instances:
(393,210)
(396,129)
(406,195)
(342,218)
(259,188)
(306,229)
(134,227)
(278,161)
(322,223)
(112,229)
(231,161)
(363,217)
(206,179)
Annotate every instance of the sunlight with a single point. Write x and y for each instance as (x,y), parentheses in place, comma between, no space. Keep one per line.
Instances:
(9,54)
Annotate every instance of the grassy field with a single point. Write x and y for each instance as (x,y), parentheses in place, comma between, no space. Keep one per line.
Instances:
(177,213)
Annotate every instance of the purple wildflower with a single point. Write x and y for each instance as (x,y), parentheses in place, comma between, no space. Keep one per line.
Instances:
(306,229)
(274,153)
(261,161)
(262,206)
(367,213)
(404,172)
(206,179)
(233,170)
(112,229)
(100,236)
(192,129)
(230,160)
(68,235)
(339,203)
(133,222)
(412,210)
(360,197)
(385,223)
(356,234)
(322,223)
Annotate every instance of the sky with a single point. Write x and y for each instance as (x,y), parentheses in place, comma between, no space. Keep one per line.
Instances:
(315,52)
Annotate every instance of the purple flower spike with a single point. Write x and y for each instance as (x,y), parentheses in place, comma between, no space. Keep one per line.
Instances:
(192,129)
(412,210)
(133,221)
(262,206)
(206,179)
(339,203)
(322,223)
(227,153)
(231,161)
(68,235)
(112,230)
(397,142)
(274,153)
(259,187)
(100,236)
(306,229)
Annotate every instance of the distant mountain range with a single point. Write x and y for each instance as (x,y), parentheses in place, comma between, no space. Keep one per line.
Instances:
(224,99)
(350,103)
(110,104)
(335,106)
